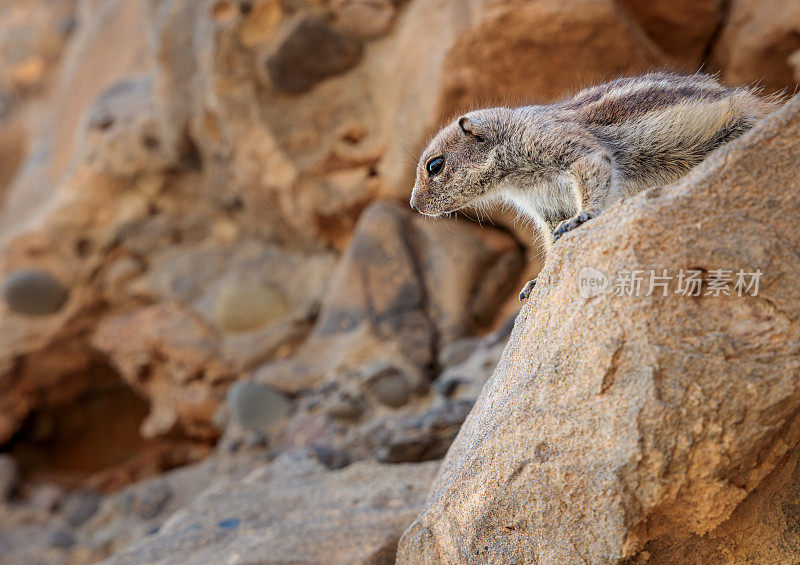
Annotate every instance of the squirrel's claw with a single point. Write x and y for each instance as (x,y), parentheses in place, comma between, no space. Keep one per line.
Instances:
(526,290)
(572,223)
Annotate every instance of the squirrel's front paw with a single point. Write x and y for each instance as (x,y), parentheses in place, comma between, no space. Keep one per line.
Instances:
(526,290)
(572,223)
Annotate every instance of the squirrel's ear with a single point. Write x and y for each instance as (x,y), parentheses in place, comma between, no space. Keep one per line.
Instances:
(473,127)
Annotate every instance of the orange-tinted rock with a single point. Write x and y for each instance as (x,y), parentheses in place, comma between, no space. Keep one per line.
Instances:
(756,42)
(528,52)
(366,19)
(682,28)
(660,428)
(309,51)
(186,385)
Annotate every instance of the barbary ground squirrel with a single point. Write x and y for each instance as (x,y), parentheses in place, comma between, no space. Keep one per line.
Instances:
(563,164)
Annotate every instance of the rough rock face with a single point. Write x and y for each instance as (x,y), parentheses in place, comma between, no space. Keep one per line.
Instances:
(355,515)
(500,60)
(756,46)
(400,292)
(683,29)
(659,428)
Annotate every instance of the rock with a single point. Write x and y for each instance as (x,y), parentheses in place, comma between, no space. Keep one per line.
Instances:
(366,19)
(79,506)
(579,42)
(412,438)
(151,498)
(5,105)
(13,146)
(343,406)
(61,539)
(122,136)
(446,386)
(403,284)
(45,497)
(255,406)
(754,45)
(217,279)
(374,308)
(187,384)
(32,40)
(332,458)
(658,428)
(794,62)
(106,47)
(468,363)
(683,29)
(389,386)
(118,275)
(243,307)
(9,477)
(354,515)
(307,52)
(33,293)
(464,263)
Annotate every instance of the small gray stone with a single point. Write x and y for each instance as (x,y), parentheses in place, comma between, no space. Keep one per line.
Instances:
(152,498)
(390,387)
(242,306)
(255,406)
(308,52)
(45,497)
(9,477)
(33,293)
(61,538)
(79,506)
(331,457)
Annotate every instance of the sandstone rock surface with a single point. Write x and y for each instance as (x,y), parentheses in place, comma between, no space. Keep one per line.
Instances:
(755,45)
(354,515)
(656,428)
(403,287)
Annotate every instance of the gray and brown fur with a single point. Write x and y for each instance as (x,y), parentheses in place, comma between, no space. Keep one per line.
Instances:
(563,164)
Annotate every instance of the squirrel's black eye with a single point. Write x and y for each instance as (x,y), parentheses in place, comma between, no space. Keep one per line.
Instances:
(434,165)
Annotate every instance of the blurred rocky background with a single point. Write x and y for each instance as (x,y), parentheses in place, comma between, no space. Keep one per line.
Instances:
(224,336)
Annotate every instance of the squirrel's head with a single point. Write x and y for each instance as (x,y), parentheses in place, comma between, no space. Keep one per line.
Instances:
(459,167)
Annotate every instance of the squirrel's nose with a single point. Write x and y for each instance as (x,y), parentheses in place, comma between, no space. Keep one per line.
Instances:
(413,203)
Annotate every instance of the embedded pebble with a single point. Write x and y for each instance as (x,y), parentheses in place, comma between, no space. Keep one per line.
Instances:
(243,306)
(255,406)
(229,523)
(331,457)
(79,506)
(33,293)
(151,499)
(390,387)
(310,51)
(45,497)
(61,538)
